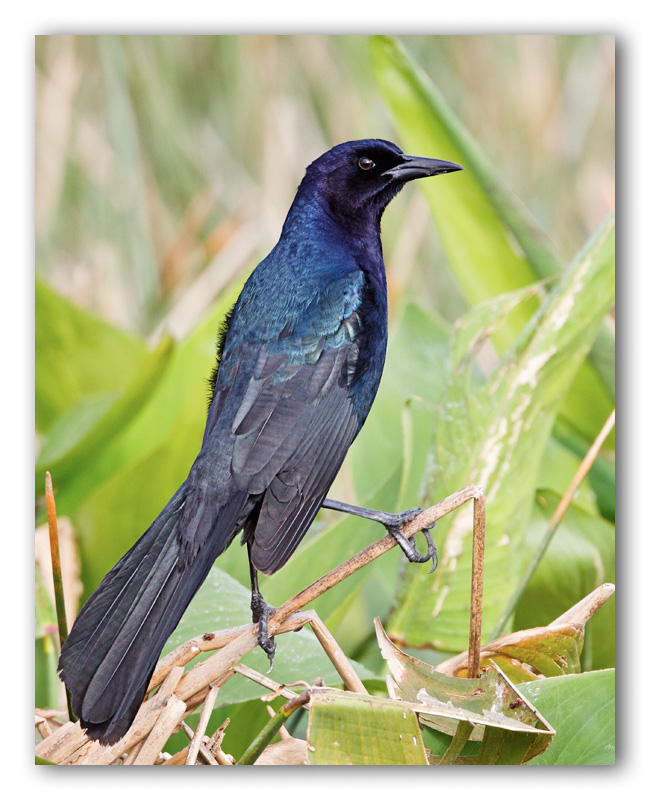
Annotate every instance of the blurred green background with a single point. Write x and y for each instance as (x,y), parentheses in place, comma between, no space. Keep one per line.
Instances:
(165,166)
(155,155)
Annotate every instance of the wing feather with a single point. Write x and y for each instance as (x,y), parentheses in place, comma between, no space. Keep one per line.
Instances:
(284,404)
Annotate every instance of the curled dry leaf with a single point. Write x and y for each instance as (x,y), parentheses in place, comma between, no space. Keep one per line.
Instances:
(547,651)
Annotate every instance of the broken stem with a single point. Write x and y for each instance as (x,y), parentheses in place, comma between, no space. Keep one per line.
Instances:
(57,577)
(476,602)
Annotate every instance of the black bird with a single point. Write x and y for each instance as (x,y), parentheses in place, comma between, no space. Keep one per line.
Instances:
(298,367)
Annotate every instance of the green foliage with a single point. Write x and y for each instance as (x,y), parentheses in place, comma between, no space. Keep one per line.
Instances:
(361,730)
(499,369)
(493,433)
(77,357)
(581,709)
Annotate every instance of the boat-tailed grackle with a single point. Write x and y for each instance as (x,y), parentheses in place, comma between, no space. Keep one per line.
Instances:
(298,367)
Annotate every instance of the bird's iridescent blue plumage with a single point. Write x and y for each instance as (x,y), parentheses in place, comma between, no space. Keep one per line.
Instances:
(299,367)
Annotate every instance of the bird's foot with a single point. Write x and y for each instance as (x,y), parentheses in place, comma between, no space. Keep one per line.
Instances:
(394,523)
(261,612)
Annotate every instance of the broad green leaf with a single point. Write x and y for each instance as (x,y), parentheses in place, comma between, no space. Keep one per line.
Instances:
(582,710)
(494,434)
(580,557)
(83,430)
(77,355)
(360,730)
(492,242)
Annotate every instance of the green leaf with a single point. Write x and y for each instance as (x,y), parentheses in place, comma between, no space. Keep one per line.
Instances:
(482,253)
(492,242)
(493,434)
(84,429)
(580,557)
(77,355)
(359,730)
(582,710)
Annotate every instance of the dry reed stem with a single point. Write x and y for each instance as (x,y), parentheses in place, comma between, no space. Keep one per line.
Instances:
(207,642)
(192,687)
(62,743)
(43,727)
(214,745)
(476,601)
(338,658)
(170,716)
(202,749)
(208,706)
(178,759)
(265,681)
(133,753)
(581,472)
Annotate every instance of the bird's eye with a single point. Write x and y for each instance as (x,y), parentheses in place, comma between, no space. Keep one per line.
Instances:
(366,163)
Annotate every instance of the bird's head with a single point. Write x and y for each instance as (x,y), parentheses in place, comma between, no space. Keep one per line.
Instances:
(358,179)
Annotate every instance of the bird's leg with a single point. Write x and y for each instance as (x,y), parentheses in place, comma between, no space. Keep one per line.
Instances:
(393,524)
(261,610)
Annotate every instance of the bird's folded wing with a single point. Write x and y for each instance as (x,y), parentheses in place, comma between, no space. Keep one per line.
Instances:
(297,420)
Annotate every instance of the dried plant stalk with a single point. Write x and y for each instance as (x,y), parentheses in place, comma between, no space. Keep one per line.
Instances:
(180,693)
(208,706)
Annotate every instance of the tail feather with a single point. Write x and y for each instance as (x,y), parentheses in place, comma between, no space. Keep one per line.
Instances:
(108,659)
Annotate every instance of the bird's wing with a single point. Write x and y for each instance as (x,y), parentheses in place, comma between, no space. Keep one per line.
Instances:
(297,419)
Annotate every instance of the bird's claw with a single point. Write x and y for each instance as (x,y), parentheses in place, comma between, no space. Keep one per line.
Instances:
(394,528)
(261,612)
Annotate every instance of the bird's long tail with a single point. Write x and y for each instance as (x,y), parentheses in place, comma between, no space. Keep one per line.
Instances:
(108,659)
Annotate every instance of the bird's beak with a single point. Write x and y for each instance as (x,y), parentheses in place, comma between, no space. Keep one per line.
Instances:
(416,167)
